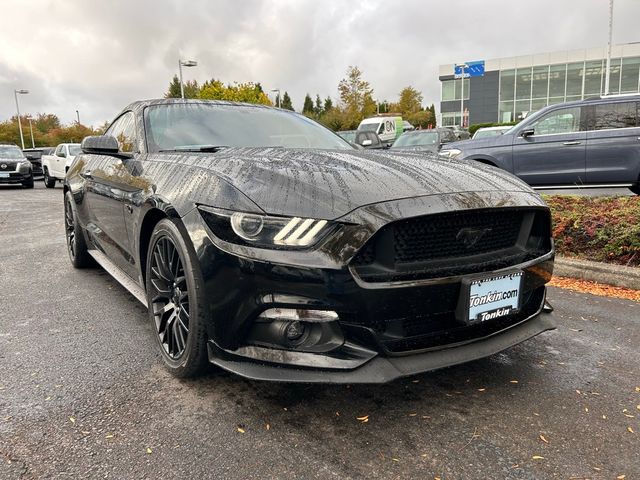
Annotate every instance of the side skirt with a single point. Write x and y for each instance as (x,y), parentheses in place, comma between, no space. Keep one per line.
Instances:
(122,278)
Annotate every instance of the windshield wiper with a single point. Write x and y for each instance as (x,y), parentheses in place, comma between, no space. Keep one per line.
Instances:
(196,148)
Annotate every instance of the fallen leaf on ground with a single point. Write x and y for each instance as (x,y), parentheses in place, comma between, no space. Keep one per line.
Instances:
(395,459)
(621,477)
(513,381)
(267,426)
(413,414)
(241,430)
(544,439)
(537,457)
(630,430)
(594,288)
(149,451)
(481,389)
(72,420)
(363,418)
(110,435)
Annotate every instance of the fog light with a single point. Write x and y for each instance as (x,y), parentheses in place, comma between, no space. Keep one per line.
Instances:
(296,314)
(294,331)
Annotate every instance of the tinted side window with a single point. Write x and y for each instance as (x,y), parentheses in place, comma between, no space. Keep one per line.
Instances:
(124,130)
(59,150)
(566,120)
(614,115)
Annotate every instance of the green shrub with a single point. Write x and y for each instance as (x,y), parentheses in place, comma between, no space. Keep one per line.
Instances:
(600,229)
(476,126)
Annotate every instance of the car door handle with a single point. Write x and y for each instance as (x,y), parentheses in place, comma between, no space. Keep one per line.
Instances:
(575,142)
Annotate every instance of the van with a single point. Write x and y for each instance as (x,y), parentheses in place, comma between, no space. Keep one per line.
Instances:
(590,143)
(388,128)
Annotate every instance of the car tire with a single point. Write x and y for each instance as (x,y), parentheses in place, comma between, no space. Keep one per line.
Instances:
(28,183)
(76,244)
(635,189)
(175,289)
(48,181)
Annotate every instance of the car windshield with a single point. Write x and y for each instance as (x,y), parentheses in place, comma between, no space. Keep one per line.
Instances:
(349,136)
(369,127)
(488,133)
(10,151)
(416,139)
(195,125)
(74,150)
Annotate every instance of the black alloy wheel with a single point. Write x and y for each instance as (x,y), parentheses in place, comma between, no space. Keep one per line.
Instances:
(48,181)
(76,246)
(174,295)
(170,303)
(29,182)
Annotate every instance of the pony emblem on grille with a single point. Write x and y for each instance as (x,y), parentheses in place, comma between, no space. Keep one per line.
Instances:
(470,236)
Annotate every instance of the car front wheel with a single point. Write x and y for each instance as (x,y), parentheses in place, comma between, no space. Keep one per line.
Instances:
(176,304)
(76,245)
(48,181)
(29,182)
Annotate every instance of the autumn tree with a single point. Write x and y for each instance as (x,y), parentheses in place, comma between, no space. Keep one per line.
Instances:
(286,102)
(248,92)
(356,96)
(410,101)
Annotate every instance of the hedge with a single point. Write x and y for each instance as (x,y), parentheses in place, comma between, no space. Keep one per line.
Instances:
(605,229)
(476,126)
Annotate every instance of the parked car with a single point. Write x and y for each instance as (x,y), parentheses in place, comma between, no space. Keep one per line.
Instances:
(14,166)
(34,155)
(430,140)
(55,166)
(590,143)
(388,128)
(369,141)
(486,132)
(407,127)
(460,133)
(270,247)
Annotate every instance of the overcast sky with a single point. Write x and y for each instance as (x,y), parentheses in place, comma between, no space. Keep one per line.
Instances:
(97,56)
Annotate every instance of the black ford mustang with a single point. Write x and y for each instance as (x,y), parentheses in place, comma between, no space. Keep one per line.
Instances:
(265,244)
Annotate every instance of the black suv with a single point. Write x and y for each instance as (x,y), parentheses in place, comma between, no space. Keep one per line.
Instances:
(34,155)
(591,143)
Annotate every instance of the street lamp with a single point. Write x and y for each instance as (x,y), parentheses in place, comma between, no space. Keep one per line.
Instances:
(78,116)
(462,67)
(186,63)
(33,143)
(278,97)
(15,93)
(608,71)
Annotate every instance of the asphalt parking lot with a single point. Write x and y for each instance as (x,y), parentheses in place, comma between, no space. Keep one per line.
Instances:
(83,393)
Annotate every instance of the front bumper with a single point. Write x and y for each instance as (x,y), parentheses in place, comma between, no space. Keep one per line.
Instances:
(15,177)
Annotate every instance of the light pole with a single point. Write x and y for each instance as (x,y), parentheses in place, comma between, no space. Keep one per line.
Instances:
(15,93)
(186,63)
(78,116)
(279,103)
(33,143)
(462,67)
(608,70)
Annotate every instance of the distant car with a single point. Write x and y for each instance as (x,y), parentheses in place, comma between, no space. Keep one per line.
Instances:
(14,166)
(34,155)
(490,131)
(590,143)
(348,135)
(388,128)
(55,166)
(407,127)
(430,140)
(460,133)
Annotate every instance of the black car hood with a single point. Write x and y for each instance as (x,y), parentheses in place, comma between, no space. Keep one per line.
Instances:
(329,184)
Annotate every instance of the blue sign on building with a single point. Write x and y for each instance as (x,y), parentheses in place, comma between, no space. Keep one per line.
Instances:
(473,69)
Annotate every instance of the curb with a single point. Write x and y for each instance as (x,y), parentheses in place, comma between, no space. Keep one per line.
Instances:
(611,274)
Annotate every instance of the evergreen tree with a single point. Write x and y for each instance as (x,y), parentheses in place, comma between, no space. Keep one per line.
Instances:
(286,102)
(307,108)
(328,104)
(318,106)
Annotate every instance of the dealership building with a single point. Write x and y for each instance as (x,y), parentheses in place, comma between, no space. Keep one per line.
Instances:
(508,89)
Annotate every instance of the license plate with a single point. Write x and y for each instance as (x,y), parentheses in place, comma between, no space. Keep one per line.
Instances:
(493,297)
(4,174)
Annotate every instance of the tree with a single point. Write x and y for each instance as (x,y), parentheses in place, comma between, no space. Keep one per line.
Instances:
(328,104)
(318,106)
(356,96)
(307,108)
(410,101)
(286,102)
(237,92)
(191,88)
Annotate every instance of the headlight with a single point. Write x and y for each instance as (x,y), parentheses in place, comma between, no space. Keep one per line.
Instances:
(24,165)
(451,153)
(265,231)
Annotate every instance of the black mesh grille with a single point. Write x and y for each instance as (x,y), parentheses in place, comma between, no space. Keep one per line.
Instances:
(455,243)
(445,236)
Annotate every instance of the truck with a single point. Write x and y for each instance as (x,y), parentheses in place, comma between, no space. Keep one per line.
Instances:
(387,127)
(55,166)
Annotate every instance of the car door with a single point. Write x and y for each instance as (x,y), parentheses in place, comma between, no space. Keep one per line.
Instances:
(552,149)
(106,187)
(613,143)
(59,157)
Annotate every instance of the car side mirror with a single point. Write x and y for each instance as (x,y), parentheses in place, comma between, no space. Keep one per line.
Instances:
(366,143)
(527,132)
(100,145)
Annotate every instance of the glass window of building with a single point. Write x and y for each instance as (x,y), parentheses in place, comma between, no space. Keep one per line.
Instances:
(506,111)
(448,90)
(565,120)
(540,82)
(630,75)
(557,80)
(574,81)
(523,84)
(507,84)
(614,77)
(593,78)
(458,85)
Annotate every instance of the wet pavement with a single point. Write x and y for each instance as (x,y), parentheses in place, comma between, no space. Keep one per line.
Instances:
(83,393)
